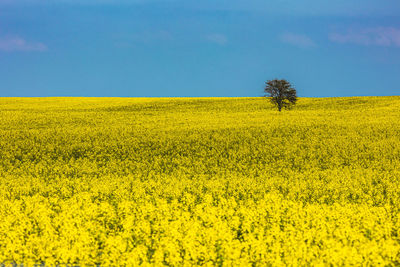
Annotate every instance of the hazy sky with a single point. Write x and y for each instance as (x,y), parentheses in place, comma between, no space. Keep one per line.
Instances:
(198,47)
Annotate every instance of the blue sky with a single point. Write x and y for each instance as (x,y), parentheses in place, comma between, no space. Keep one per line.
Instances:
(198,48)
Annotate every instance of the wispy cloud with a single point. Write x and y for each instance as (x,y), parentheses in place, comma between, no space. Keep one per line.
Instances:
(217,38)
(11,44)
(377,36)
(299,40)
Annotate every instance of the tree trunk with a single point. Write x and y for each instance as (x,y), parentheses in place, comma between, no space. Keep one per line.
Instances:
(279,102)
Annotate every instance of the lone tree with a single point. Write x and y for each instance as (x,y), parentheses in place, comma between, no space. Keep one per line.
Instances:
(281,93)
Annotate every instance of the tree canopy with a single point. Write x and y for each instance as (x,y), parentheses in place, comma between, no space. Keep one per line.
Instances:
(281,93)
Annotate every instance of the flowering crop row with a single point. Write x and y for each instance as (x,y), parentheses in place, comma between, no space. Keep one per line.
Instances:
(199,181)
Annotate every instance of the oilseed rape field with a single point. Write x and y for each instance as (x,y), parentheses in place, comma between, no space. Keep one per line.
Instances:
(199,181)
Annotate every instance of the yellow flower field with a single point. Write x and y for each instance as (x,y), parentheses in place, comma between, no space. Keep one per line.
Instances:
(199,181)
